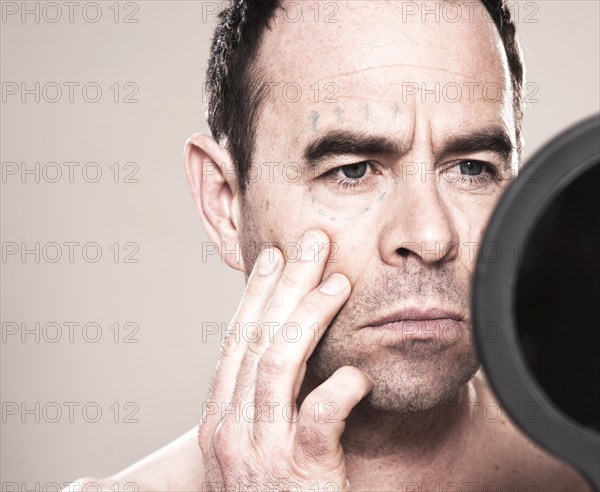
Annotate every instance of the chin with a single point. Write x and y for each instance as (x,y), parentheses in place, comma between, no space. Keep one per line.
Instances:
(417,377)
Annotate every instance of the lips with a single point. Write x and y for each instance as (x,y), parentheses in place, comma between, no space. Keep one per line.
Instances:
(417,324)
(415,314)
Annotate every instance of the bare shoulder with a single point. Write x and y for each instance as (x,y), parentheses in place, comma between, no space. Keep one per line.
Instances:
(176,466)
(108,484)
(515,459)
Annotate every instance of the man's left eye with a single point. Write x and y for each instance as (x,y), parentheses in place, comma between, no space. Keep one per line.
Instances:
(354,171)
(474,172)
(472,168)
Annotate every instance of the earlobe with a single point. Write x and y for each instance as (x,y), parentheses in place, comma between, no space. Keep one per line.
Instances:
(213,185)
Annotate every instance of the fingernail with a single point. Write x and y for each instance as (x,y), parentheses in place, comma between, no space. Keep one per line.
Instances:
(267,262)
(309,246)
(334,284)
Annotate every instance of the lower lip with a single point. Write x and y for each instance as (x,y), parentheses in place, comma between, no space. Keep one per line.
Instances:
(440,329)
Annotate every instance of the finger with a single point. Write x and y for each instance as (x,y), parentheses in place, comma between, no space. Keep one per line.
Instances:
(323,415)
(258,291)
(299,382)
(296,280)
(283,363)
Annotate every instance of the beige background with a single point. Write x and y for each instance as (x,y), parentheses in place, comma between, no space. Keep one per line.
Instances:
(170,291)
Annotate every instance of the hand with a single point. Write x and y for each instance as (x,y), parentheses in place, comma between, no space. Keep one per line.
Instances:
(252,435)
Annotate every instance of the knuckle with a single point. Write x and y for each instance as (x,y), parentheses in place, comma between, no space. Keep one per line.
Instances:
(272,362)
(318,408)
(311,405)
(312,442)
(253,354)
(230,346)
(222,439)
(310,309)
(254,290)
(251,332)
(291,281)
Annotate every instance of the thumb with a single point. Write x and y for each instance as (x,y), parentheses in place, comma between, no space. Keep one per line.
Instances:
(323,416)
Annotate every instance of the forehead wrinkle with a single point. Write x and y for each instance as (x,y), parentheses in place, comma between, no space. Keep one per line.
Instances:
(361,97)
(286,40)
(393,65)
(365,98)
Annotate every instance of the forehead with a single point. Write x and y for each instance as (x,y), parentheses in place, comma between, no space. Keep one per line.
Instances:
(456,35)
(370,64)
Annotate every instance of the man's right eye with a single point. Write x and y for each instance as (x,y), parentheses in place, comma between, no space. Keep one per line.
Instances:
(349,175)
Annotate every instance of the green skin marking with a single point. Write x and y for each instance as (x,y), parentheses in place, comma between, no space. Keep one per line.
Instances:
(366,111)
(314,116)
(333,218)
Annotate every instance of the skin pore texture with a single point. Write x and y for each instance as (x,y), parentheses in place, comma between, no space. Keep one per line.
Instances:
(404,223)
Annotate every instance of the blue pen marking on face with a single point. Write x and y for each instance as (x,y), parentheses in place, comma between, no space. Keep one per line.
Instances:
(314,116)
(365,110)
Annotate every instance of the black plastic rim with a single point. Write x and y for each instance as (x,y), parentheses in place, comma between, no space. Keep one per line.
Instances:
(541,180)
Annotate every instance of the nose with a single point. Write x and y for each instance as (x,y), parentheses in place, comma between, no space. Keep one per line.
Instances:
(418,224)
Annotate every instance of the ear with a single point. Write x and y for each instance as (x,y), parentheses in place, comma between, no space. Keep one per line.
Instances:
(212,180)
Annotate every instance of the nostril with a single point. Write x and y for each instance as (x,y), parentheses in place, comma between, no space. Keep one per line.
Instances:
(403,252)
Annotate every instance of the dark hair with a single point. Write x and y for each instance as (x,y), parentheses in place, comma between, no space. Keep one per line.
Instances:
(235,88)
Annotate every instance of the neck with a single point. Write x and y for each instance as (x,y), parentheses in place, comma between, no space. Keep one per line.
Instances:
(375,442)
(371,433)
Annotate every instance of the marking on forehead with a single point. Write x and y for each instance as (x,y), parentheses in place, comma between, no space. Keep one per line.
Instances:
(338,111)
(366,98)
(365,110)
(393,65)
(314,116)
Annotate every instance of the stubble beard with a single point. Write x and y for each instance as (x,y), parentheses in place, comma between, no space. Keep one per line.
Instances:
(402,382)
(412,376)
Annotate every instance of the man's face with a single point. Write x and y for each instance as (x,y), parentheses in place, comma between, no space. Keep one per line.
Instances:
(407,218)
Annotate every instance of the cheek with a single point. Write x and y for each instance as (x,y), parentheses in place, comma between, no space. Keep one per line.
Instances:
(286,214)
(470,217)
(352,250)
(348,205)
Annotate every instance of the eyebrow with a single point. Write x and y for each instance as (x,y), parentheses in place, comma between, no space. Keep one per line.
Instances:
(492,139)
(348,142)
